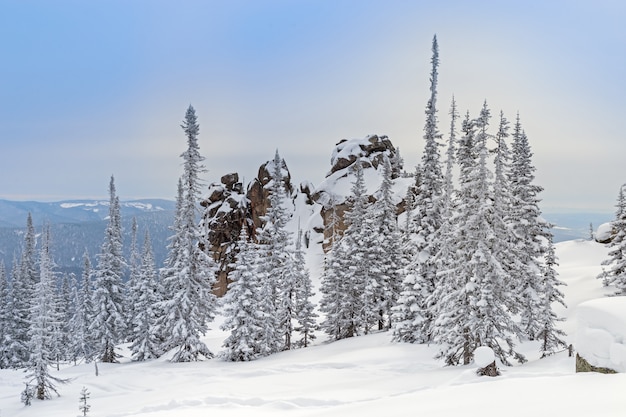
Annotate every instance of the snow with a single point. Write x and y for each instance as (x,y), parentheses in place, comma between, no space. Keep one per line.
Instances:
(601,337)
(484,356)
(361,376)
(603,233)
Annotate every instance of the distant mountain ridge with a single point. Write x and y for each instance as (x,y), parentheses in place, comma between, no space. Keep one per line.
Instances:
(78,226)
(14,213)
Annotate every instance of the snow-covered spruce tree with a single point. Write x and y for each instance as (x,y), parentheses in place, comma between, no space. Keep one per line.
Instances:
(108,325)
(188,277)
(530,234)
(134,266)
(383,287)
(44,324)
(405,313)
(24,278)
(6,305)
(451,298)
(332,281)
(305,315)
(145,340)
(244,319)
(65,310)
(275,247)
(81,340)
(475,312)
(445,258)
(353,260)
(614,270)
(83,405)
(428,205)
(548,334)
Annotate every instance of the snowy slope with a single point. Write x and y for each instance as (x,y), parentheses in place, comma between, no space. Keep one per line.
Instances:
(364,376)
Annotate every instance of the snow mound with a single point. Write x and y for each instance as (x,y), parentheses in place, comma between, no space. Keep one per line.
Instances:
(601,336)
(603,233)
(484,356)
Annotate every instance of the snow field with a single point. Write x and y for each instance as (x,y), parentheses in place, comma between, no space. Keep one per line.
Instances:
(362,376)
(601,336)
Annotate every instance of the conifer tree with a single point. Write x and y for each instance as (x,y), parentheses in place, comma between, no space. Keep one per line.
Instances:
(65,310)
(108,325)
(615,271)
(43,325)
(445,259)
(304,309)
(134,266)
(189,304)
(6,306)
(451,297)
(548,334)
(275,247)
(532,236)
(474,311)
(82,342)
(145,340)
(83,406)
(24,278)
(332,281)
(384,286)
(428,205)
(356,250)
(244,319)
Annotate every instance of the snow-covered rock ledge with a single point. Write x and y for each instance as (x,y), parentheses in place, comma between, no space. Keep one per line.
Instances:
(601,337)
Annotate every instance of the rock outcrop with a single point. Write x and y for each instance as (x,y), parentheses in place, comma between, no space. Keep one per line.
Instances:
(258,190)
(226,211)
(333,193)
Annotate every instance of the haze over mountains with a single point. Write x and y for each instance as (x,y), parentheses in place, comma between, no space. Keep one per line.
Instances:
(78,225)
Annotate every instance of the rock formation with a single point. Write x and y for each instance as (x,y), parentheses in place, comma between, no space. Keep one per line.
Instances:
(370,152)
(226,210)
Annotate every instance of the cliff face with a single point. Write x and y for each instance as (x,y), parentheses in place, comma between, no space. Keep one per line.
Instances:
(258,192)
(228,207)
(226,211)
(333,192)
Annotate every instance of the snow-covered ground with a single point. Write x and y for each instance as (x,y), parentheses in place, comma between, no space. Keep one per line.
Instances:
(364,376)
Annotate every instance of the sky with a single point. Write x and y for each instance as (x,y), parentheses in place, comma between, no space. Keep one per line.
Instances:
(100,88)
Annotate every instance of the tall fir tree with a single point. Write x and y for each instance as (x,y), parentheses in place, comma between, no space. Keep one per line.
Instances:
(83,343)
(275,247)
(243,318)
(614,267)
(332,281)
(548,334)
(189,304)
(44,324)
(108,325)
(305,314)
(6,306)
(24,278)
(144,336)
(65,310)
(134,267)
(427,218)
(530,232)
(383,288)
(354,258)
(474,312)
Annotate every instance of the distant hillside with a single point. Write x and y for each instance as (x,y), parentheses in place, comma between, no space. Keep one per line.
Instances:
(78,225)
(570,226)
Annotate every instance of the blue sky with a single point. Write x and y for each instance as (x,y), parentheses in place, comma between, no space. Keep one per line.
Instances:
(94,88)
